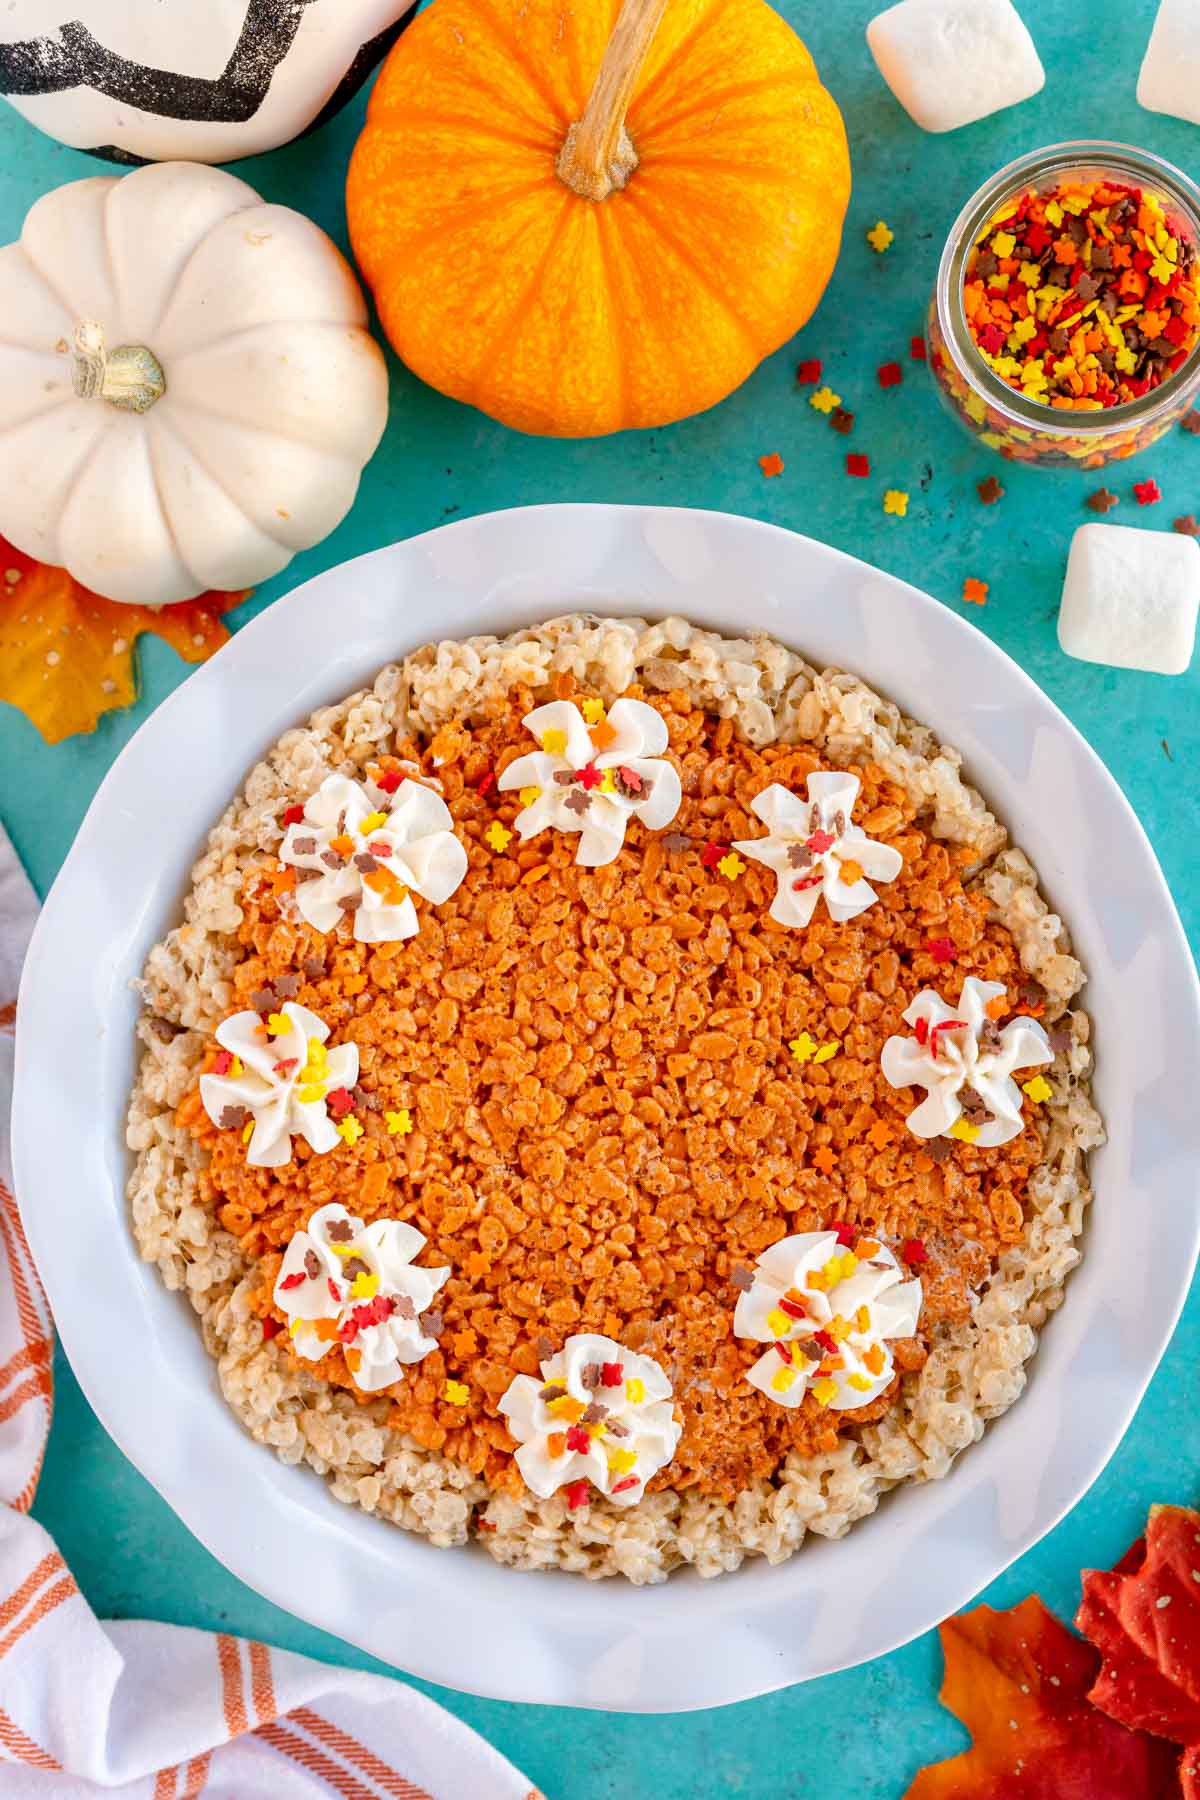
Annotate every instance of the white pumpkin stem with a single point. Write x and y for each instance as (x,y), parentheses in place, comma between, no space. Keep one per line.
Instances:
(129,377)
(598,154)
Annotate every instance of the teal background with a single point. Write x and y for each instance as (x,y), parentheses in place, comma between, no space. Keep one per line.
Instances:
(864,1733)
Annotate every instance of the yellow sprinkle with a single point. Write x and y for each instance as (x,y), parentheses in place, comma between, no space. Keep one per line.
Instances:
(848,1264)
(528,795)
(316,1051)
(621,1461)
(895,501)
(827,1051)
(364,1287)
(308,1096)
(1004,243)
(297,1325)
(1038,1089)
(497,835)
(1030,273)
(1053,214)
(345,1251)
(824,1391)
(554,741)
(832,1270)
(783,1378)
(400,1123)
(237,1067)
(862,1320)
(608,782)
(457,1393)
(779,1322)
(248,1132)
(731,866)
(825,399)
(372,822)
(859,1382)
(879,237)
(838,1328)
(818,1280)
(592,710)
(849,871)
(350,1130)
(966,1134)
(1023,330)
(278,1024)
(567,1407)
(803,1047)
(635,1390)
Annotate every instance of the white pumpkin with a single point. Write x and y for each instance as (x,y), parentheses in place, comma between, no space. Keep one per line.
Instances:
(187,391)
(201,80)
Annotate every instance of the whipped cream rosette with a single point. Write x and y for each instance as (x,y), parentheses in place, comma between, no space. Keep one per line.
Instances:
(277,1073)
(600,1414)
(359,849)
(814,849)
(593,778)
(827,1302)
(965,1062)
(343,1282)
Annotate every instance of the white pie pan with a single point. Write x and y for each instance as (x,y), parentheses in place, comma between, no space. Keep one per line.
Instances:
(455,1616)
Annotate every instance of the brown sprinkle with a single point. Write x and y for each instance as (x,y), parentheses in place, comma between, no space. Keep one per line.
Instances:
(233,1118)
(165,1030)
(304,846)
(742,1279)
(340,1231)
(1103,500)
(312,1264)
(841,420)
(314,967)
(675,841)
(432,1323)
(591,1376)
(1191,422)
(1186,524)
(553,1390)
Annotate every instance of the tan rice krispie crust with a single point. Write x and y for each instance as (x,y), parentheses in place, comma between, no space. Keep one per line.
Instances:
(975,1369)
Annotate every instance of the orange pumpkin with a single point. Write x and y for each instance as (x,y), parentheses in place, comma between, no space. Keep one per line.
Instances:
(569,259)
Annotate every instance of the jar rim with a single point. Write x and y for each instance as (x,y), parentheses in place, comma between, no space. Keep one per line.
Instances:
(1124,162)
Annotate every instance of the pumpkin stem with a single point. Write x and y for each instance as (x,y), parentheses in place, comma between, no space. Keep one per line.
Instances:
(598,154)
(129,377)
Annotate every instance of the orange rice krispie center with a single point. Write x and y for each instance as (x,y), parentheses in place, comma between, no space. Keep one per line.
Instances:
(607,1118)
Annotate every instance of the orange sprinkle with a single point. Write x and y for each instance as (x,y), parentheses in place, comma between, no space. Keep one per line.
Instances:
(772,464)
(975,591)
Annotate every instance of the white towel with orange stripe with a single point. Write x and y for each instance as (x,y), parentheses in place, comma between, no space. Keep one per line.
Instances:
(158,1712)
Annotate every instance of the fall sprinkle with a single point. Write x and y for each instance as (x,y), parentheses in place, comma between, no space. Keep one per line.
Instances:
(1083,296)
(975,591)
(771,464)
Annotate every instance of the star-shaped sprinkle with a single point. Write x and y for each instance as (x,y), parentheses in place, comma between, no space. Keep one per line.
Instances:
(825,399)
(497,836)
(975,591)
(1147,493)
(895,500)
(880,236)
(771,464)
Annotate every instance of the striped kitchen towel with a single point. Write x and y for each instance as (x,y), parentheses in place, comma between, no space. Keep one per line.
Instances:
(159,1712)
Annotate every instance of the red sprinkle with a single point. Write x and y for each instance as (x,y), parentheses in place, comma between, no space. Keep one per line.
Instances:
(916,349)
(623,1486)
(913,1251)
(711,854)
(946,1025)
(826,1342)
(795,1309)
(857,464)
(389,781)
(782,1351)
(1147,492)
(590,776)
(578,1438)
(339,1102)
(577,1495)
(846,1234)
(271,1328)
(347,1332)
(942,950)
(820,841)
(612,1374)
(809,371)
(631,778)
(379,848)
(293,815)
(286,1066)
(921,1031)
(334,1292)
(806,881)
(222,1062)
(890,374)
(293,1281)
(485,783)
(373,1313)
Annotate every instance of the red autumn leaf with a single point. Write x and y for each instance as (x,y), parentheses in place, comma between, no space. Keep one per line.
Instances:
(1019,1682)
(1144,1619)
(66,654)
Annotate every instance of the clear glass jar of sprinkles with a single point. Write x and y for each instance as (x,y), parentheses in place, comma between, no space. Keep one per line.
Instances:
(1064,329)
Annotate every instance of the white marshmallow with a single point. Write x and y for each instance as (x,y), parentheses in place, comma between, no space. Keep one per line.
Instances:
(1169,81)
(1130,598)
(950,62)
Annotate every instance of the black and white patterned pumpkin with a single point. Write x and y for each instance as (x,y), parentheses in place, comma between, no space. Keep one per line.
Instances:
(191,80)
